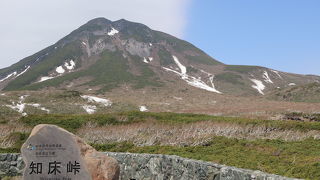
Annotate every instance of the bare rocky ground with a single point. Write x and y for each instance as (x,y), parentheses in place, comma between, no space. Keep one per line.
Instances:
(191,100)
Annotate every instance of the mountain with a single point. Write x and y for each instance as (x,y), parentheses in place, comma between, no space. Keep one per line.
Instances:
(102,55)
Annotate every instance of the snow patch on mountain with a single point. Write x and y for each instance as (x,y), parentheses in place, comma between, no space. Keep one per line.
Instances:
(205,72)
(17,107)
(292,84)
(89,108)
(193,81)
(8,76)
(35,105)
(15,74)
(113,32)
(266,77)
(39,107)
(23,71)
(277,73)
(202,85)
(45,109)
(143,108)
(20,106)
(145,60)
(94,99)
(177,98)
(70,65)
(60,70)
(259,86)
(45,78)
(183,69)
(22,98)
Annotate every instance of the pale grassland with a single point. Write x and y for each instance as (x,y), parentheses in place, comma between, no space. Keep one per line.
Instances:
(8,134)
(191,134)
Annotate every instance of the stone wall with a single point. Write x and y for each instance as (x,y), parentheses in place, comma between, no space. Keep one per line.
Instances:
(156,167)
(11,165)
(164,167)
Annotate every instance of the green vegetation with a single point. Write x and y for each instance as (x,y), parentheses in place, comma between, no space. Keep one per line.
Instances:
(203,59)
(229,77)
(165,57)
(147,77)
(115,147)
(298,159)
(293,159)
(305,93)
(68,94)
(240,68)
(110,71)
(70,51)
(7,114)
(136,31)
(177,44)
(73,122)
(192,69)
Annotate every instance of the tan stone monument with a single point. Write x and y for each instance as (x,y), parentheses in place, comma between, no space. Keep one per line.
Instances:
(52,153)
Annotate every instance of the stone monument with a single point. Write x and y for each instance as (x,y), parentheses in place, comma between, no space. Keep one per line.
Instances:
(52,153)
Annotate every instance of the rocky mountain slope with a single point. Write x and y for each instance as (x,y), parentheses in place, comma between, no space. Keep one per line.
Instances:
(304,93)
(103,55)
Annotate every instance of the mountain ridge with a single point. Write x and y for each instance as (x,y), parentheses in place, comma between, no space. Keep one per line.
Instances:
(144,57)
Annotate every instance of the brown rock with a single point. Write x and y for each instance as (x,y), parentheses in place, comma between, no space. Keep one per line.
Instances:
(50,144)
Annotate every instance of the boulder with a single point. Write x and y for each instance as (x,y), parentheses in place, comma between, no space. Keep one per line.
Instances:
(52,152)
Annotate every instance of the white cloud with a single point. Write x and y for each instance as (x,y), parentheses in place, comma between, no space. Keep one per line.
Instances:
(29,26)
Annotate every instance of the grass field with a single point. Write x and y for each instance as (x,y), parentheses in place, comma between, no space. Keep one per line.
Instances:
(294,158)
(73,122)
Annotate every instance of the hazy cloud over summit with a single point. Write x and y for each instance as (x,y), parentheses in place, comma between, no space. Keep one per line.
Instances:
(29,26)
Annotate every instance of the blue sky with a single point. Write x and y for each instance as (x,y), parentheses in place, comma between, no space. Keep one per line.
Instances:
(280,34)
